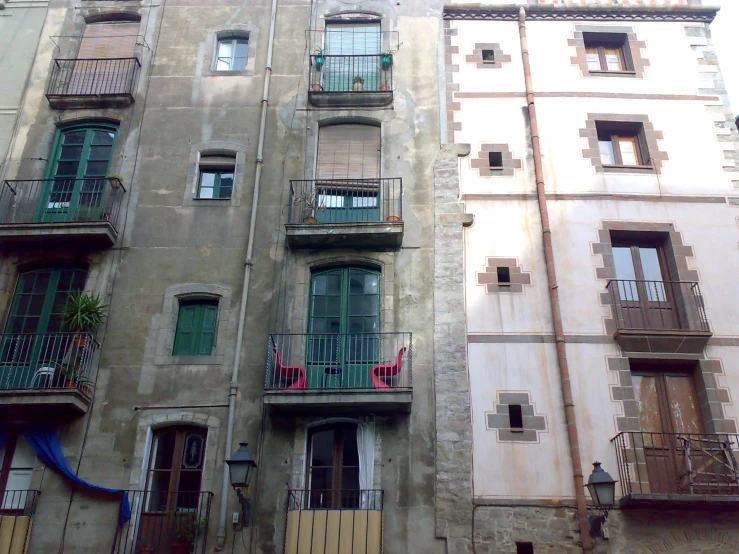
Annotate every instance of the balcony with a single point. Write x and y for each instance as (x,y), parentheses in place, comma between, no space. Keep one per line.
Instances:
(677,469)
(48,211)
(47,375)
(16,520)
(93,83)
(165,523)
(665,317)
(331,373)
(356,213)
(351,81)
(337,521)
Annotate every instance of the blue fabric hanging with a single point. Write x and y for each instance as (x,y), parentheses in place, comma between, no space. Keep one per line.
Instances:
(45,442)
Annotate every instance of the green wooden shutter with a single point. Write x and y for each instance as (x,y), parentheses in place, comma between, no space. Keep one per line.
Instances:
(208,329)
(187,328)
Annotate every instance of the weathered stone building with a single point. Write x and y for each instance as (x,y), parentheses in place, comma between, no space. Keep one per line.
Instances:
(598,274)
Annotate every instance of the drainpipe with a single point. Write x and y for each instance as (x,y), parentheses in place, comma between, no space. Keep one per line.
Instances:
(564,372)
(234,387)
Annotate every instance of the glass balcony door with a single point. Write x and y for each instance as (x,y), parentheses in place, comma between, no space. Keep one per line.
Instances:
(344,322)
(352,57)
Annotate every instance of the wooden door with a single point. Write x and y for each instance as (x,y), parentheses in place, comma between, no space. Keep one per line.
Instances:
(645,293)
(173,486)
(669,415)
(344,328)
(333,468)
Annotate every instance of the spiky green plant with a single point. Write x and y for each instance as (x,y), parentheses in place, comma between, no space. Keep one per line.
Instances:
(84,312)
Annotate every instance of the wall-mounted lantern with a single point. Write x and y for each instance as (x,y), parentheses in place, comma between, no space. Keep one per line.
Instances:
(241,467)
(602,489)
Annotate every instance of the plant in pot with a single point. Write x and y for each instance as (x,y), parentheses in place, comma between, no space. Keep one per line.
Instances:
(358,84)
(386,59)
(188,527)
(82,315)
(309,203)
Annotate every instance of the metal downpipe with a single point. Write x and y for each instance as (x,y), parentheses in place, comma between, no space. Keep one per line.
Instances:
(234,387)
(564,372)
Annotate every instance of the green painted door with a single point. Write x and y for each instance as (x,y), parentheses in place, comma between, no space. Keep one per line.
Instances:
(352,57)
(76,187)
(344,324)
(32,338)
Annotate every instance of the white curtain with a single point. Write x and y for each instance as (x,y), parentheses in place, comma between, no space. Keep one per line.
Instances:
(366,451)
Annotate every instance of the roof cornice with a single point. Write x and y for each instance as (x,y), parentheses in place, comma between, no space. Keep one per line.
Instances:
(687,14)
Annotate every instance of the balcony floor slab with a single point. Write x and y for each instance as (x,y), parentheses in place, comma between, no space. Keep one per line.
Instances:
(81,101)
(351,99)
(43,405)
(355,235)
(96,233)
(680,501)
(337,401)
(662,342)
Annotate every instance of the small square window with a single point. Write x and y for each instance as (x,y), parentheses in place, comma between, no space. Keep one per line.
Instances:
(607,52)
(504,275)
(524,548)
(622,144)
(488,56)
(231,54)
(515,415)
(495,159)
(216,177)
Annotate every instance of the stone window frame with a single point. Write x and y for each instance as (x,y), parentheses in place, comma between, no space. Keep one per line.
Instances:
(482,161)
(210,45)
(193,173)
(155,420)
(647,134)
(632,51)
(499,420)
(167,323)
(476,56)
(489,276)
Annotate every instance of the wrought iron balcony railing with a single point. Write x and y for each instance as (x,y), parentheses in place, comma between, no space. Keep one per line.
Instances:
(321,521)
(61,200)
(677,463)
(351,73)
(165,523)
(346,200)
(657,305)
(45,361)
(16,517)
(18,503)
(371,361)
(104,77)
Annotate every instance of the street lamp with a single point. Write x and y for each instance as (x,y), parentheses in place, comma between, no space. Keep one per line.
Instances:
(241,467)
(602,489)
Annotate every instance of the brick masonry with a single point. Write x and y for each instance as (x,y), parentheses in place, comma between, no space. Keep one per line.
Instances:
(499,57)
(489,277)
(482,161)
(451,382)
(499,420)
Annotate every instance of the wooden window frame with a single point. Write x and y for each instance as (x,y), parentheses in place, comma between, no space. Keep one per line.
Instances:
(337,468)
(218,172)
(637,241)
(177,348)
(614,131)
(234,40)
(609,41)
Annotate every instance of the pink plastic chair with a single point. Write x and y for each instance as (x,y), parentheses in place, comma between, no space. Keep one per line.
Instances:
(294,373)
(383,371)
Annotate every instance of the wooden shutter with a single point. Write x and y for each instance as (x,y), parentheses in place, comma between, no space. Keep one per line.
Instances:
(108,40)
(185,336)
(348,151)
(208,329)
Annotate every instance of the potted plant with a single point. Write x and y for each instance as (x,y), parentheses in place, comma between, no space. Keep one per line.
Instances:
(115,181)
(386,59)
(82,314)
(319,59)
(309,203)
(188,528)
(358,84)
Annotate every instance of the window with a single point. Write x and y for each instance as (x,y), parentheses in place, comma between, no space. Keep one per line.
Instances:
(196,328)
(622,144)
(18,459)
(352,57)
(515,415)
(607,51)
(333,467)
(488,56)
(524,548)
(231,53)
(216,177)
(496,160)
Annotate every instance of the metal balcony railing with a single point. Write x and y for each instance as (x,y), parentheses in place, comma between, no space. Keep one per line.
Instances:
(164,523)
(46,361)
(19,503)
(61,201)
(372,361)
(16,514)
(93,77)
(322,521)
(657,305)
(351,73)
(677,463)
(346,200)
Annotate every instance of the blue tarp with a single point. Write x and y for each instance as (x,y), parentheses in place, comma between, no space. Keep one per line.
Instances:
(45,442)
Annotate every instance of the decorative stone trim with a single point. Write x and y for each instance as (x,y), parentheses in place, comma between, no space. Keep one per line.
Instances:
(499,420)
(489,277)
(711,396)
(648,134)
(499,57)
(680,11)
(451,87)
(633,48)
(482,161)
(193,172)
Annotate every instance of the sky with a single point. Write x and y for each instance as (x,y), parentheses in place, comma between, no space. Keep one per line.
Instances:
(725,33)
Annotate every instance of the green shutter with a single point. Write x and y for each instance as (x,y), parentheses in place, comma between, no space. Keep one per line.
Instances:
(208,329)
(196,329)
